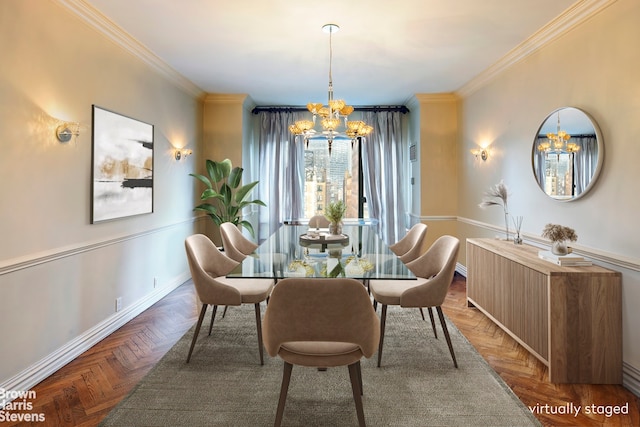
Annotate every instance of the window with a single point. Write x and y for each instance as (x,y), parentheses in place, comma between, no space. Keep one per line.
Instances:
(332,178)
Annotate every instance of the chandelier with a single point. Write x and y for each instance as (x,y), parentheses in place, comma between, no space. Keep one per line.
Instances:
(558,142)
(331,115)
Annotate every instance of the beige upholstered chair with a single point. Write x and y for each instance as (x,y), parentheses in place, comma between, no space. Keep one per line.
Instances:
(321,323)
(434,271)
(318,221)
(410,246)
(208,267)
(235,245)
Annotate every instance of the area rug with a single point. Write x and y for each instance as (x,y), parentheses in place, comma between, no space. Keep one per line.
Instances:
(417,385)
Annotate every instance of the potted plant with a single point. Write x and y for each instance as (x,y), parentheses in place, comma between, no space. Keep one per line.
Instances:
(559,234)
(224,186)
(334,212)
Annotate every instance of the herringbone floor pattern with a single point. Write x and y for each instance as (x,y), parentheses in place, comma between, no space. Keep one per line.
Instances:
(84,391)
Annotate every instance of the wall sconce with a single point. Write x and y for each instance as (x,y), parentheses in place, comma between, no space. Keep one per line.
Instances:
(65,131)
(181,153)
(480,152)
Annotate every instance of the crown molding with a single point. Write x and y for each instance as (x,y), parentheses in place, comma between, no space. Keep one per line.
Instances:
(104,25)
(436,97)
(225,98)
(569,19)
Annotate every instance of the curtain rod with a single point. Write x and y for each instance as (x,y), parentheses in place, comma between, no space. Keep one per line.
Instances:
(400,108)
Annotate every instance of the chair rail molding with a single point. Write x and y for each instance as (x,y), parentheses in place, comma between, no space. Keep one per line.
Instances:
(32,260)
(535,240)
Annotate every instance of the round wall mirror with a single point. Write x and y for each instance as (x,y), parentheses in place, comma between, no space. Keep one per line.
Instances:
(567,154)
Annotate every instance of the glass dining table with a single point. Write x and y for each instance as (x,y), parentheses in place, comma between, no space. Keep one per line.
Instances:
(300,251)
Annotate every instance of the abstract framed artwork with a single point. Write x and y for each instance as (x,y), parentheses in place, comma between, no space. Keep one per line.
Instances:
(122,164)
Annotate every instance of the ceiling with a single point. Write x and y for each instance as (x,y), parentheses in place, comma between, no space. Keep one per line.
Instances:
(276,52)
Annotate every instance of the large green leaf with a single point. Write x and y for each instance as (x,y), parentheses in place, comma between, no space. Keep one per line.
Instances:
(244,191)
(235,177)
(211,210)
(202,178)
(226,193)
(218,171)
(248,226)
(210,193)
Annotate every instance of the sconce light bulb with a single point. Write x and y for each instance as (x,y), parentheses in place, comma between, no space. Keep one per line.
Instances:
(65,131)
(179,154)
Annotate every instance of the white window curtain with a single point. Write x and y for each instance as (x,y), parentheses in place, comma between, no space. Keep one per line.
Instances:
(586,161)
(383,160)
(280,168)
(281,171)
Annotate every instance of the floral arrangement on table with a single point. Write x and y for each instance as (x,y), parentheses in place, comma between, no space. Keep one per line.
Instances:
(334,212)
(559,235)
(301,268)
(497,196)
(355,265)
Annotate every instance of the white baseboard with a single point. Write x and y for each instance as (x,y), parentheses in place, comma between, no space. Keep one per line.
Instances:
(631,378)
(48,365)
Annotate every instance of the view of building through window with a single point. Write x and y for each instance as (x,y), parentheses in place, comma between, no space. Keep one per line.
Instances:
(559,174)
(331,178)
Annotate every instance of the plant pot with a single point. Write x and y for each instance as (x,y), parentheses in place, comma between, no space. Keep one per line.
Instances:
(335,228)
(559,248)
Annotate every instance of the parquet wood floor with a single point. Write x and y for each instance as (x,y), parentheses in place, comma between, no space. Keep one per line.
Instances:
(83,392)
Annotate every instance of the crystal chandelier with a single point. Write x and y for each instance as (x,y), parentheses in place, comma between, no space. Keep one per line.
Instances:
(558,142)
(331,115)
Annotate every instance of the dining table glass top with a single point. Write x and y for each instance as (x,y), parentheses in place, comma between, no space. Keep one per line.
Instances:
(300,251)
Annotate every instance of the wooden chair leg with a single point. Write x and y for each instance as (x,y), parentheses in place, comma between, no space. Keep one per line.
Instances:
(259,328)
(383,319)
(213,317)
(421,312)
(357,392)
(360,378)
(224,313)
(286,377)
(195,333)
(446,334)
(433,322)
(375,305)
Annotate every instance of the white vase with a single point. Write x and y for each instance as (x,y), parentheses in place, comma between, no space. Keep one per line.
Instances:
(559,248)
(335,228)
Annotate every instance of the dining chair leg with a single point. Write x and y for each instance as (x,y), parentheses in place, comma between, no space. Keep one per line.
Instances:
(195,333)
(446,334)
(286,377)
(421,312)
(375,305)
(213,317)
(357,395)
(224,313)
(433,322)
(383,319)
(360,377)
(259,328)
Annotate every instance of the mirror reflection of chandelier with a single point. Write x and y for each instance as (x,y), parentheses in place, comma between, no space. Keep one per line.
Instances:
(331,115)
(558,142)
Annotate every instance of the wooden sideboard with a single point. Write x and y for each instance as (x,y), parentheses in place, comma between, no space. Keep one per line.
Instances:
(568,317)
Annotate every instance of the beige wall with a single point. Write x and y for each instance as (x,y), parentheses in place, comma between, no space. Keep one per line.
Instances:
(439,123)
(592,67)
(59,274)
(222,127)
(222,138)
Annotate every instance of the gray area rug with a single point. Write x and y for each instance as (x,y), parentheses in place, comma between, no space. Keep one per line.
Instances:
(417,385)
